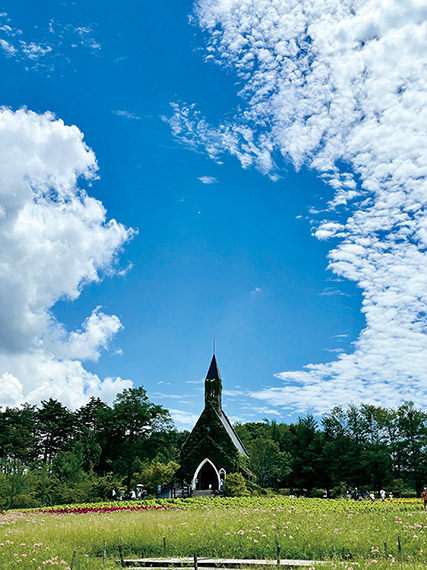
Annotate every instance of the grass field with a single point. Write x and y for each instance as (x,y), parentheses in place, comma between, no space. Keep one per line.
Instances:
(346,533)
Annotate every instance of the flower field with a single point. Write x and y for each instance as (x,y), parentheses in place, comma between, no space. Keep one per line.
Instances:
(348,534)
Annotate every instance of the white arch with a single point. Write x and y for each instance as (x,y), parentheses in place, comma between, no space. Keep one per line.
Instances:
(196,473)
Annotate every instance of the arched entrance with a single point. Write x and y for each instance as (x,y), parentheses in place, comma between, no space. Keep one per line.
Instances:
(206,477)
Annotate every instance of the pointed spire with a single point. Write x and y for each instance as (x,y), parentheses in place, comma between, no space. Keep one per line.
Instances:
(213,386)
(213,372)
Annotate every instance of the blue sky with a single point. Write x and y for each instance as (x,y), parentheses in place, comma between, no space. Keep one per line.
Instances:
(234,185)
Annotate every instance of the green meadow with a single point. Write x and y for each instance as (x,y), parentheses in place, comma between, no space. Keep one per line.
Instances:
(347,534)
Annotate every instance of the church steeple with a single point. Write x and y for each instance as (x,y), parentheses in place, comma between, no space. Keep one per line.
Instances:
(213,386)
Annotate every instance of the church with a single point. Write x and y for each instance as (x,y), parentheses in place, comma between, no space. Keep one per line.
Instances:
(213,448)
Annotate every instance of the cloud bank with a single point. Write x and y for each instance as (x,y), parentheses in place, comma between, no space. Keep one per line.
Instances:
(341,88)
(54,239)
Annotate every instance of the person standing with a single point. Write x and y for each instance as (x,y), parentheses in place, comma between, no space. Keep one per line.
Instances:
(382,495)
(424,497)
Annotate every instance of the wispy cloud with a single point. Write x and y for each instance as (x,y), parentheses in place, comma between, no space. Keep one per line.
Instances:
(339,87)
(233,393)
(257,291)
(183,419)
(170,396)
(45,50)
(207,179)
(330,292)
(127,115)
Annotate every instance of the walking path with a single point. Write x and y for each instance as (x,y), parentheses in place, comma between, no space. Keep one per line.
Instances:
(212,563)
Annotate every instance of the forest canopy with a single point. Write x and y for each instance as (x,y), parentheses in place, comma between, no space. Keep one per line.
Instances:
(50,454)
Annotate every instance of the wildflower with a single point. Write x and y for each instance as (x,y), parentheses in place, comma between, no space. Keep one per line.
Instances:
(241,532)
(291,537)
(373,561)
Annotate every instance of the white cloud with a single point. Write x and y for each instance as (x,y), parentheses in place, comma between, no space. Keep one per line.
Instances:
(257,291)
(7,47)
(171,396)
(53,38)
(207,179)
(127,115)
(340,87)
(184,420)
(54,239)
(10,389)
(86,344)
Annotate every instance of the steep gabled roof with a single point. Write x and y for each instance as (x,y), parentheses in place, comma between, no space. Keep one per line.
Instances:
(233,435)
(213,372)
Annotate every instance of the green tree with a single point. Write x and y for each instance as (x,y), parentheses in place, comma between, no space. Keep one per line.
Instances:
(56,428)
(267,462)
(19,434)
(412,444)
(135,420)
(154,473)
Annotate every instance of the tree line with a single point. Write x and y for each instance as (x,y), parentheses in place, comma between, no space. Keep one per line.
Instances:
(364,446)
(50,454)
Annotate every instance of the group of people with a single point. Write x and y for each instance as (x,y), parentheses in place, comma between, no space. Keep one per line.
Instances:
(133,495)
(356,495)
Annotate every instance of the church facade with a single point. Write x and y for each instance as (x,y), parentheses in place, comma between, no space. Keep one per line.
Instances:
(213,448)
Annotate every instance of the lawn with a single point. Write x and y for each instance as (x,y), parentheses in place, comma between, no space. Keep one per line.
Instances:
(349,534)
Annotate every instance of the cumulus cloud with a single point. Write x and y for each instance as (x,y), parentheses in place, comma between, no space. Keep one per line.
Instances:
(54,239)
(339,87)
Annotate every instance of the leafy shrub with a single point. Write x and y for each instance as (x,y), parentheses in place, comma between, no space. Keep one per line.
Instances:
(235,485)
